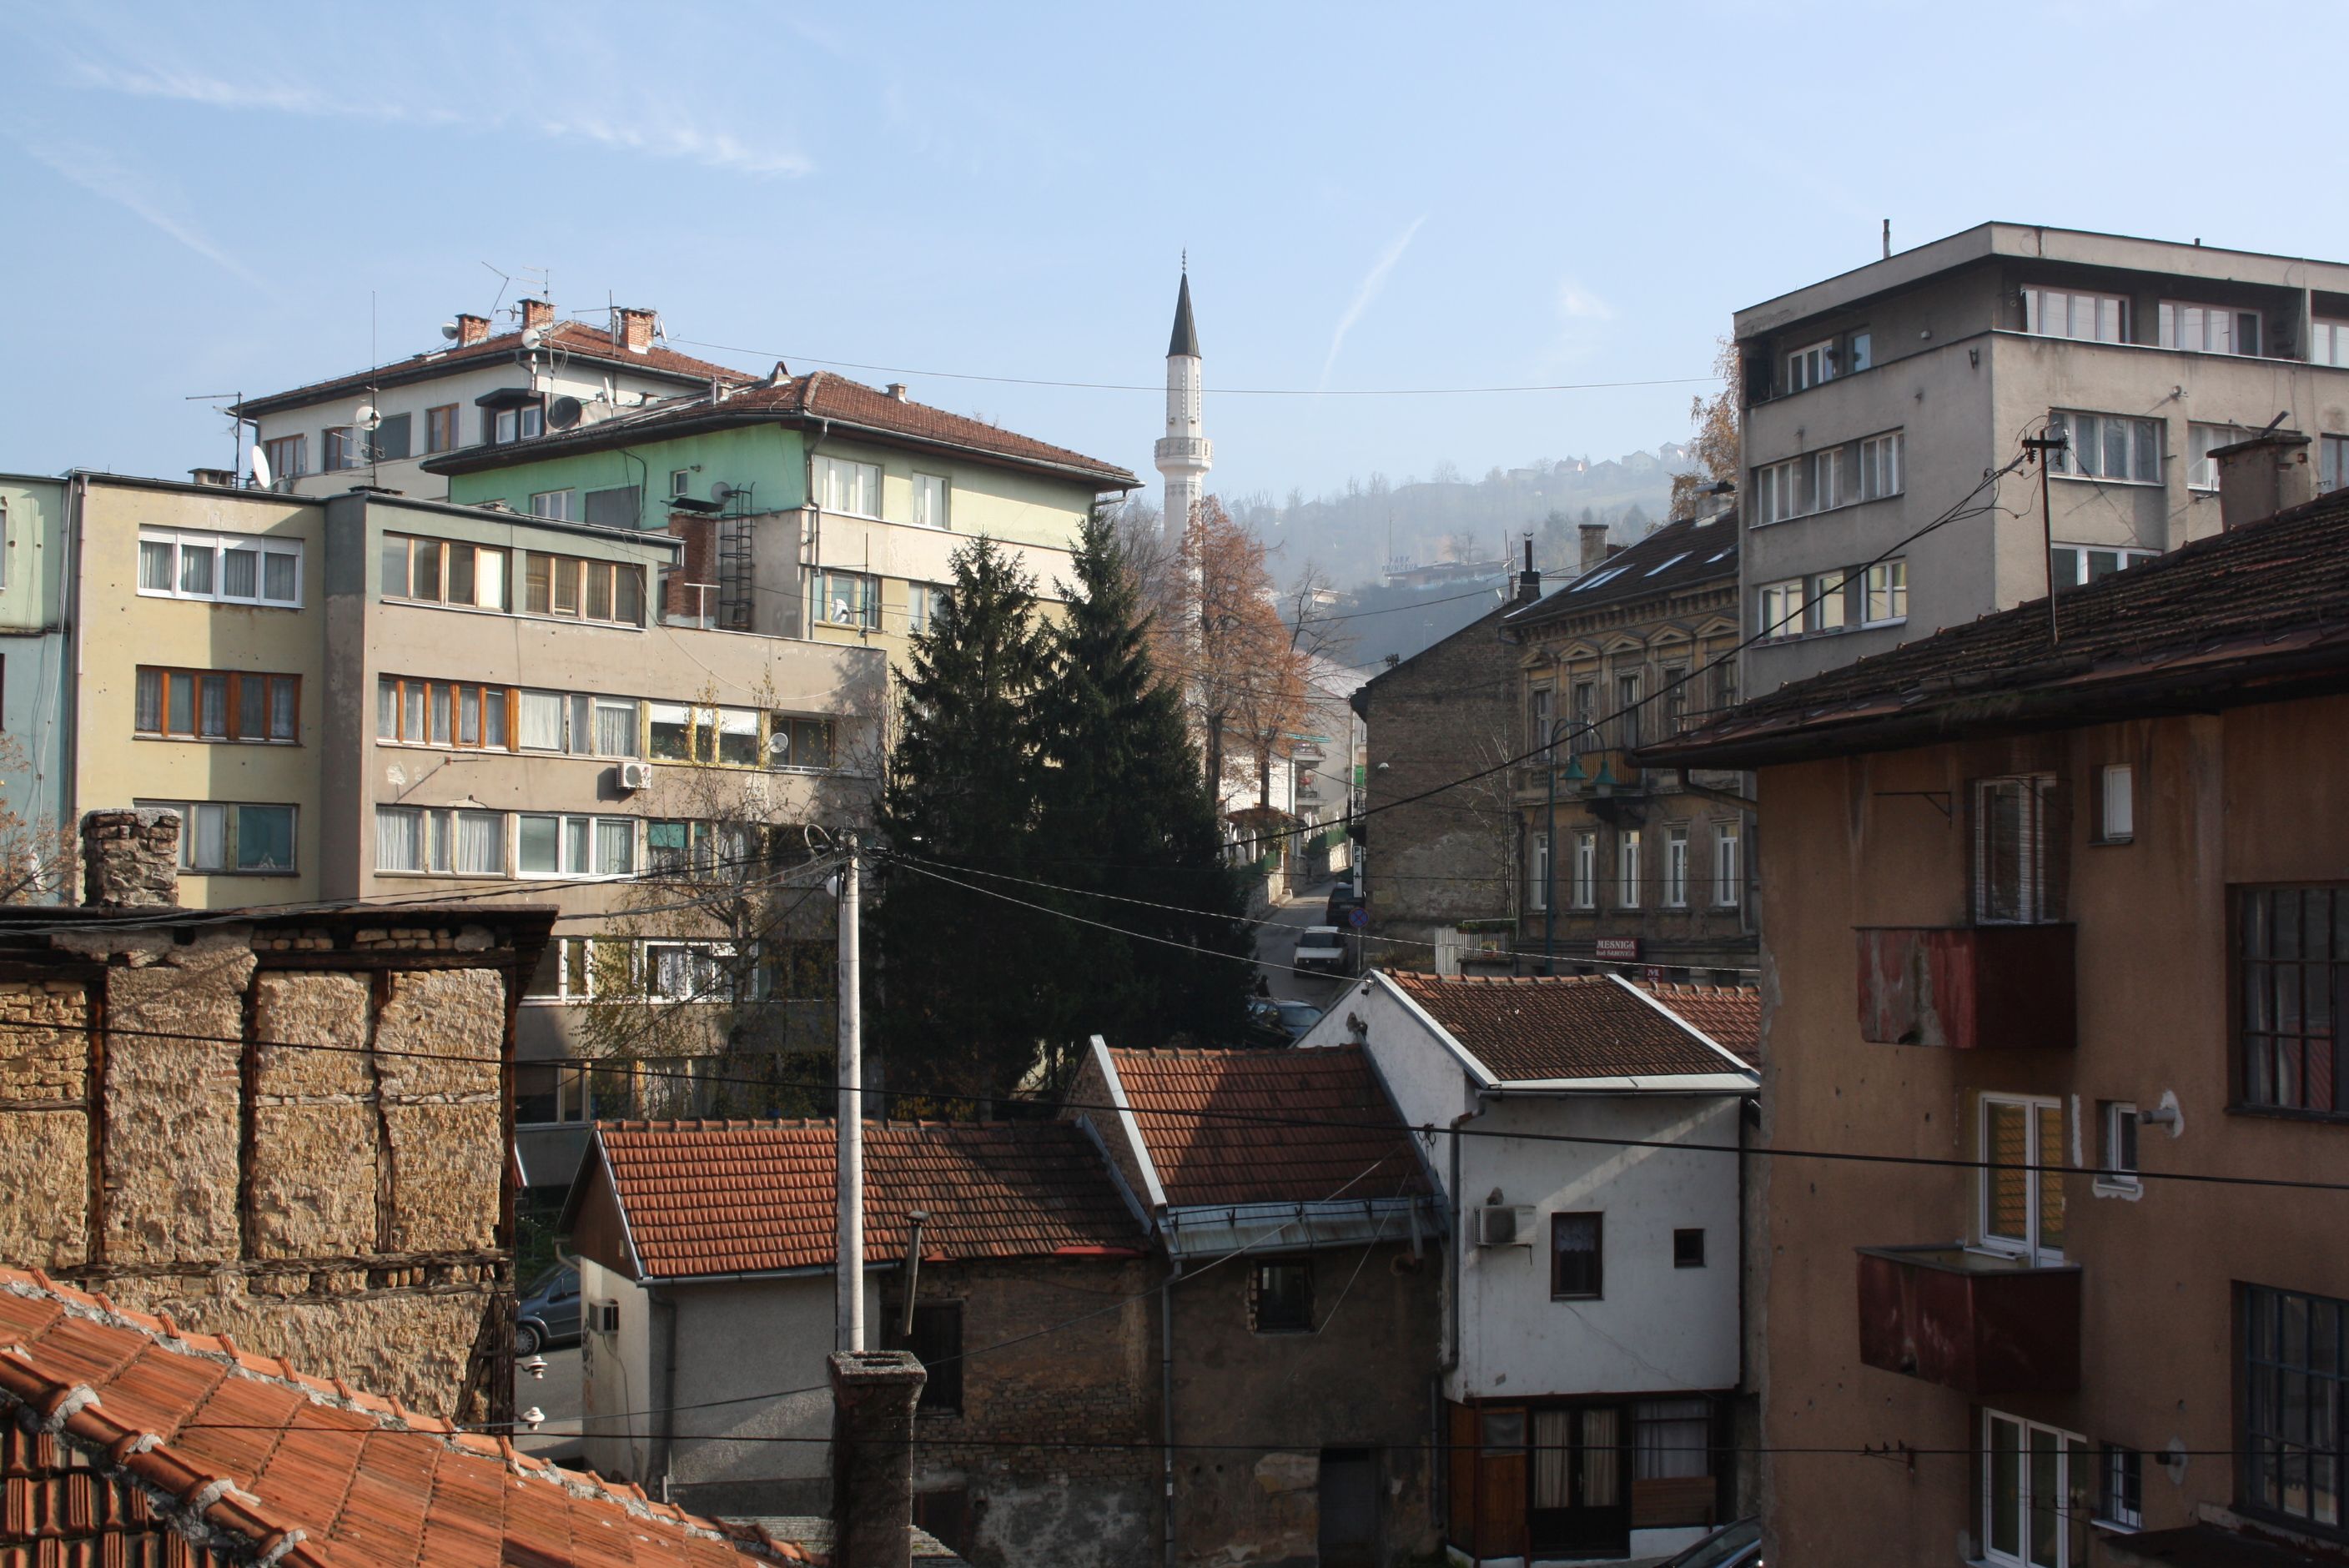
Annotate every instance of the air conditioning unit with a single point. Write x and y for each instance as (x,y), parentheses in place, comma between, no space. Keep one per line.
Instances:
(603,1317)
(1505,1225)
(633,775)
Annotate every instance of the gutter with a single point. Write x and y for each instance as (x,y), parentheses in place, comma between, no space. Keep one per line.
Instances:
(69,763)
(1166,1401)
(664,1435)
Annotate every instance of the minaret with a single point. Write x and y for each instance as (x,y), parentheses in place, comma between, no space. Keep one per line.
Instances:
(1184,454)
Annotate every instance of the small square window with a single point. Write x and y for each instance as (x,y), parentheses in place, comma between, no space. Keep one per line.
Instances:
(1282,1297)
(2118,1162)
(2117,802)
(1688,1249)
(679,480)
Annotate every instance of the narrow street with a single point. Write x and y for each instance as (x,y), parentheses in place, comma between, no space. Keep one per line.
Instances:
(1276,940)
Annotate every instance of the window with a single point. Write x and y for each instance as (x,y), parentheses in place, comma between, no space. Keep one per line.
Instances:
(232,838)
(1825,610)
(2124,1500)
(2328,343)
(578,723)
(443,572)
(521,424)
(1688,1249)
(1676,868)
(1280,1297)
(1782,610)
(1627,868)
(1538,872)
(579,969)
(2107,446)
(2201,440)
(1673,688)
(2209,328)
(2117,1162)
(847,599)
(2293,1404)
(2022,1179)
(217,705)
(1627,711)
(687,972)
(936,1344)
(1880,466)
(288,457)
(1539,703)
(1585,890)
(410,712)
(853,488)
(224,568)
(677,846)
(621,506)
(930,493)
(586,590)
(1863,351)
(441,429)
(2292,957)
(2116,804)
(924,601)
(1575,1256)
(562,505)
(2331,463)
(680,481)
(562,846)
(2011,850)
(1728,875)
(2077,564)
(1826,480)
(2060,312)
(712,736)
(339,447)
(450,843)
(1774,488)
(1887,593)
(2035,1491)
(1808,366)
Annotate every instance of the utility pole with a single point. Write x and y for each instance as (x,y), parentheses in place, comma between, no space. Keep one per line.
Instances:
(2046,446)
(848,1252)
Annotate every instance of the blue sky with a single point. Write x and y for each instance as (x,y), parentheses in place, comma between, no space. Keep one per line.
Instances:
(1373,197)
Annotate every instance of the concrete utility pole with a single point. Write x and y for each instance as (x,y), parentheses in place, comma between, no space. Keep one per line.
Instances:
(848,1252)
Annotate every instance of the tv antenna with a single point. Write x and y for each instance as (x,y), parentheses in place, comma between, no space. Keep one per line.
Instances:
(237,421)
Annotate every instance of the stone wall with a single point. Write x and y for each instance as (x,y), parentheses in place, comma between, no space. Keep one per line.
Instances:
(252,1125)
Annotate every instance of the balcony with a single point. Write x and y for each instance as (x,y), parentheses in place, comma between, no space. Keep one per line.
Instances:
(1969,987)
(1975,1322)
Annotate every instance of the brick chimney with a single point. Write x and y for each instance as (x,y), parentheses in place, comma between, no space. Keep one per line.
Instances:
(1528,580)
(537,313)
(873,1397)
(2262,475)
(131,858)
(1594,544)
(471,329)
(633,329)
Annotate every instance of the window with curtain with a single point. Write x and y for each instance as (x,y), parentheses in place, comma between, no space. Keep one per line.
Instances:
(2292,962)
(1672,1439)
(2106,447)
(398,839)
(615,728)
(2011,846)
(541,713)
(216,704)
(1575,1256)
(481,844)
(232,838)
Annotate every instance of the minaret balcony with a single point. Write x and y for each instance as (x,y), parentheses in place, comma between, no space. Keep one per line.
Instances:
(1186,451)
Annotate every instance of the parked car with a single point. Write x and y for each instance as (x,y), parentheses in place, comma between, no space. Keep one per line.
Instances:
(1280,1020)
(1296,1018)
(548,1312)
(1737,1545)
(1320,947)
(1343,901)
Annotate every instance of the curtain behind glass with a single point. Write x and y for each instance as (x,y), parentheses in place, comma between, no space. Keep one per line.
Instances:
(480,843)
(1553,1459)
(398,841)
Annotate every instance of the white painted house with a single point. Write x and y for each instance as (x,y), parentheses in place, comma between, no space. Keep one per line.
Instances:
(1592,1355)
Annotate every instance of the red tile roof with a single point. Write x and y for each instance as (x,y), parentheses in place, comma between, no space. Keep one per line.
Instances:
(745,1197)
(1730,1016)
(575,338)
(246,1446)
(2258,612)
(1221,1126)
(1677,558)
(819,396)
(1574,1026)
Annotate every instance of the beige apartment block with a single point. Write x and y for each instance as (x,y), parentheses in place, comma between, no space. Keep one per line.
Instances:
(1876,401)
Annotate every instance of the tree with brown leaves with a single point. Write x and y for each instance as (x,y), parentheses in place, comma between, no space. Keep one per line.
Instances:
(1715,445)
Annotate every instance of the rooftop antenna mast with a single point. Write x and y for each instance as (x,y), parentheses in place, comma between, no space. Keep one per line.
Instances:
(235,423)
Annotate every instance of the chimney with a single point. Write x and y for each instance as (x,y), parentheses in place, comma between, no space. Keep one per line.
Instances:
(537,313)
(471,329)
(131,858)
(214,478)
(896,389)
(1594,544)
(873,1396)
(633,329)
(2261,477)
(1528,580)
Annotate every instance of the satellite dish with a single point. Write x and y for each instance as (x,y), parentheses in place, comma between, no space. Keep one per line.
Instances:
(448,330)
(721,492)
(367,418)
(260,465)
(564,413)
(532,336)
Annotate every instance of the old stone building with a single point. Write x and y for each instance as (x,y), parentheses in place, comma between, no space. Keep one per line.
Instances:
(1625,864)
(291,1128)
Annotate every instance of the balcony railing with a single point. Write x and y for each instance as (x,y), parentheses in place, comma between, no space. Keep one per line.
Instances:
(1968,987)
(1976,1322)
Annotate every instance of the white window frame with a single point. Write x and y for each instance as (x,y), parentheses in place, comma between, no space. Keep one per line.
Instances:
(1728,866)
(933,501)
(1782,613)
(2037,789)
(1537,872)
(1885,599)
(2070,1449)
(1880,466)
(2087,430)
(1627,868)
(1813,365)
(2116,804)
(436,828)
(1826,480)
(556,505)
(2201,440)
(2106,315)
(843,487)
(2328,341)
(2211,328)
(2072,559)
(1676,868)
(1778,491)
(184,541)
(230,811)
(2116,1514)
(680,480)
(566,872)
(1829,595)
(2030,1247)
(2331,463)
(1584,892)
(2119,1130)
(865,614)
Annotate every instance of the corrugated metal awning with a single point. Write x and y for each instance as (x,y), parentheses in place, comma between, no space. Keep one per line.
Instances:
(1212,1230)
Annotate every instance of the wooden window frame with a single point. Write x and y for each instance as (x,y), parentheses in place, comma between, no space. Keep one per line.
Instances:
(234,704)
(406,689)
(1257,1322)
(441,419)
(2287,1037)
(2032,1247)
(1597,1291)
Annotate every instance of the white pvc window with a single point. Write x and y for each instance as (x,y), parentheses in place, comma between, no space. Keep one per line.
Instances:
(1676,868)
(548,845)
(1626,869)
(1728,867)
(850,488)
(930,495)
(1810,365)
(222,568)
(2038,1491)
(1887,593)
(2022,1178)
(2106,447)
(2064,312)
(2201,440)
(2209,328)
(2117,816)
(2077,564)
(1782,610)
(1586,871)
(1880,466)
(562,505)
(2328,343)
(1776,488)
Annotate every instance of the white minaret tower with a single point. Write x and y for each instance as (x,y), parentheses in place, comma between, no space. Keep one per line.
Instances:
(1184,454)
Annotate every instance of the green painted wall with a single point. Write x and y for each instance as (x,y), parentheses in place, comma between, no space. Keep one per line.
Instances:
(767,458)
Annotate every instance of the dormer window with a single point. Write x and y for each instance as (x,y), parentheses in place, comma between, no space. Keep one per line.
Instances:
(512,414)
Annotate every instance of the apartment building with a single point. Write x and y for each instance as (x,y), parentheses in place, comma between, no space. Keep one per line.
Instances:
(1650,864)
(1876,402)
(479,388)
(371,697)
(33,671)
(2059,939)
(811,506)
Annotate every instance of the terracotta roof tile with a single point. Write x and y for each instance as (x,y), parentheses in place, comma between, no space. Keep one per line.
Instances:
(1194,1111)
(751,1196)
(575,338)
(1730,1016)
(187,1416)
(1569,1026)
(1673,559)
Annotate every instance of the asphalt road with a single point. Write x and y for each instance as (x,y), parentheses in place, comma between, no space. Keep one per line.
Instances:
(1275,943)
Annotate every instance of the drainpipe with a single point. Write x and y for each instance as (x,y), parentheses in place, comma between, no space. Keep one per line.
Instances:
(69,710)
(1451,1363)
(1166,1395)
(663,1306)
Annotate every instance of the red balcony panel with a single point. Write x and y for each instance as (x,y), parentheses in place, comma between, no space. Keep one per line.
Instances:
(1968,987)
(1968,1321)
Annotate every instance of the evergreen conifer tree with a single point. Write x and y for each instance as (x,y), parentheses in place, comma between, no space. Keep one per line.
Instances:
(960,1007)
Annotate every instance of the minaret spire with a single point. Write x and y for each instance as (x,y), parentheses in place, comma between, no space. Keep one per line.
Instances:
(1184,454)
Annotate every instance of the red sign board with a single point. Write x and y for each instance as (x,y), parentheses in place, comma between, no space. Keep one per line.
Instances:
(1621,949)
